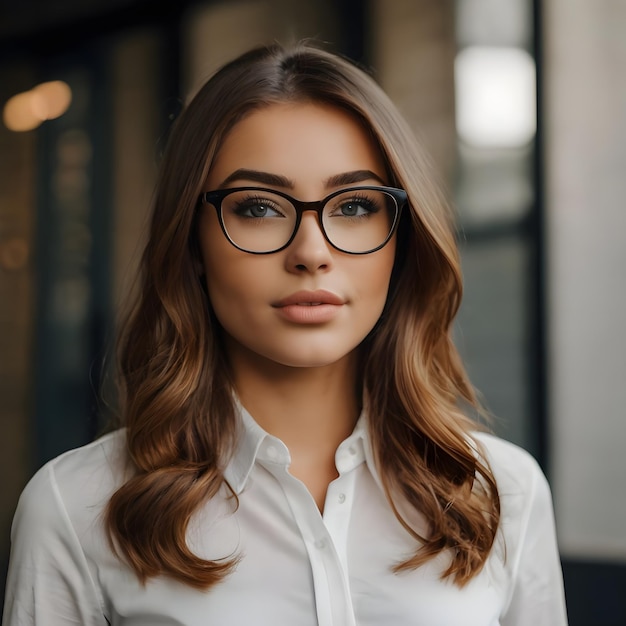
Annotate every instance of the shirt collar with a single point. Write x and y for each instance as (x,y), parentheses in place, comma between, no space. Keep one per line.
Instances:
(251,437)
(255,444)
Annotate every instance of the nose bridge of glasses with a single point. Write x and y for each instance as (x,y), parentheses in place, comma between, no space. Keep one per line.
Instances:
(303,207)
(303,229)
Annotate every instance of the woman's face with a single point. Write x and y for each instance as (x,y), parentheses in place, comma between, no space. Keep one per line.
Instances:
(308,305)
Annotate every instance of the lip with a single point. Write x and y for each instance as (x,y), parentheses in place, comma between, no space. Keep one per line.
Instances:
(309,307)
(308,298)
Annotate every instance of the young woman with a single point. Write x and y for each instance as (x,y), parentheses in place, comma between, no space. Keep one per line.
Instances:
(295,451)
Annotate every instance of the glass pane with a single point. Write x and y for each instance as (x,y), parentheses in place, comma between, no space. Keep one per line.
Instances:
(493,186)
(492,333)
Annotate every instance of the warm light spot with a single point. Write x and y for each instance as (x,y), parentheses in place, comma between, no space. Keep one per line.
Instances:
(27,110)
(19,114)
(495,96)
(53,98)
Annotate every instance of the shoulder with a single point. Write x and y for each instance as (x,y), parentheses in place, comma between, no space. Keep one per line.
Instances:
(78,482)
(515,470)
(99,464)
(525,558)
(523,491)
(101,460)
(57,537)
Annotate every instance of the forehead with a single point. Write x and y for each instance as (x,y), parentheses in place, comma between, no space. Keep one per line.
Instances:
(305,142)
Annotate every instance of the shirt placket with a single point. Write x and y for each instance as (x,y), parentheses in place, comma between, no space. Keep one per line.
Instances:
(325,538)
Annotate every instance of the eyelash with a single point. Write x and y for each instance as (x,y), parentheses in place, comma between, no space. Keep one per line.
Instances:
(246,203)
(366,203)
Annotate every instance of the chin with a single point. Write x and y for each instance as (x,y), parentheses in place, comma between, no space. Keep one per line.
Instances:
(298,352)
(309,362)
(315,357)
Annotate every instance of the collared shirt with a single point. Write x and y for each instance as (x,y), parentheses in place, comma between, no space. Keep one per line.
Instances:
(297,567)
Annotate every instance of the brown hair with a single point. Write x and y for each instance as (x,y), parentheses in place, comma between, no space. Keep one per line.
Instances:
(177,397)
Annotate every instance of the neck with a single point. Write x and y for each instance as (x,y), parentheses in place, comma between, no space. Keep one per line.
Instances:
(312,410)
(307,408)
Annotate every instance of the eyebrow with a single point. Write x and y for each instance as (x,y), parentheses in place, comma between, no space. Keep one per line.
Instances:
(258,177)
(350,178)
(276,180)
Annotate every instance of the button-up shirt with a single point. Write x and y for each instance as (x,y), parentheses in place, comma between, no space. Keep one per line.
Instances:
(297,566)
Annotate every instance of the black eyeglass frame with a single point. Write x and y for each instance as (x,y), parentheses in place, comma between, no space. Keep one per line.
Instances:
(216,197)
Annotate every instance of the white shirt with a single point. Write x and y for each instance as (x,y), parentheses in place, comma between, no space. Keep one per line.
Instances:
(297,567)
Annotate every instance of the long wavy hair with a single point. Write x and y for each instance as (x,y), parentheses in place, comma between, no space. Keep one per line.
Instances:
(177,403)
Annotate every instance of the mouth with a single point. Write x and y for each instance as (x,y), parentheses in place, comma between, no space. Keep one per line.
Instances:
(310,307)
(310,298)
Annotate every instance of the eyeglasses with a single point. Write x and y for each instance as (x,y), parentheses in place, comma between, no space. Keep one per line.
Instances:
(358,220)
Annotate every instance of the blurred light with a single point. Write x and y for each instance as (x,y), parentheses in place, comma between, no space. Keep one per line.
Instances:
(27,110)
(52,99)
(495,96)
(18,113)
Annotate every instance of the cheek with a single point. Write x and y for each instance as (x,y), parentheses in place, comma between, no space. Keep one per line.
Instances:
(237,287)
(376,278)
(230,310)
(222,274)
(227,287)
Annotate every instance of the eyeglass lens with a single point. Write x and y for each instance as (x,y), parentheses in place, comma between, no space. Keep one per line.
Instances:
(355,221)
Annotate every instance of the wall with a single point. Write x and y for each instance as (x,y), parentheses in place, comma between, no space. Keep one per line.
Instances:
(585,106)
(413,48)
(17,286)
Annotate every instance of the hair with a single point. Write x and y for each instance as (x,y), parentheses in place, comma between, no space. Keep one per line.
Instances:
(176,394)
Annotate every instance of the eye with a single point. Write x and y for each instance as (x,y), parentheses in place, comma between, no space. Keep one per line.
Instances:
(257,208)
(355,207)
(352,209)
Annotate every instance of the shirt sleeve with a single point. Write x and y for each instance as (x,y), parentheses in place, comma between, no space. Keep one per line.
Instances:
(49,582)
(537,598)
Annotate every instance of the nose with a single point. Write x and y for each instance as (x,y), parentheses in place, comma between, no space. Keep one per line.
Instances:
(309,251)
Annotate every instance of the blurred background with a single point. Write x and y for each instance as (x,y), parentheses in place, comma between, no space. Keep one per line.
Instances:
(520,103)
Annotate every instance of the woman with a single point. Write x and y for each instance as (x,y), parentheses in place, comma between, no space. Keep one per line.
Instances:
(294,450)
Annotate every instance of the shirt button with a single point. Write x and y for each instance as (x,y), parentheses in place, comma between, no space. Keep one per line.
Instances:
(272,452)
(342,498)
(352,450)
(320,544)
